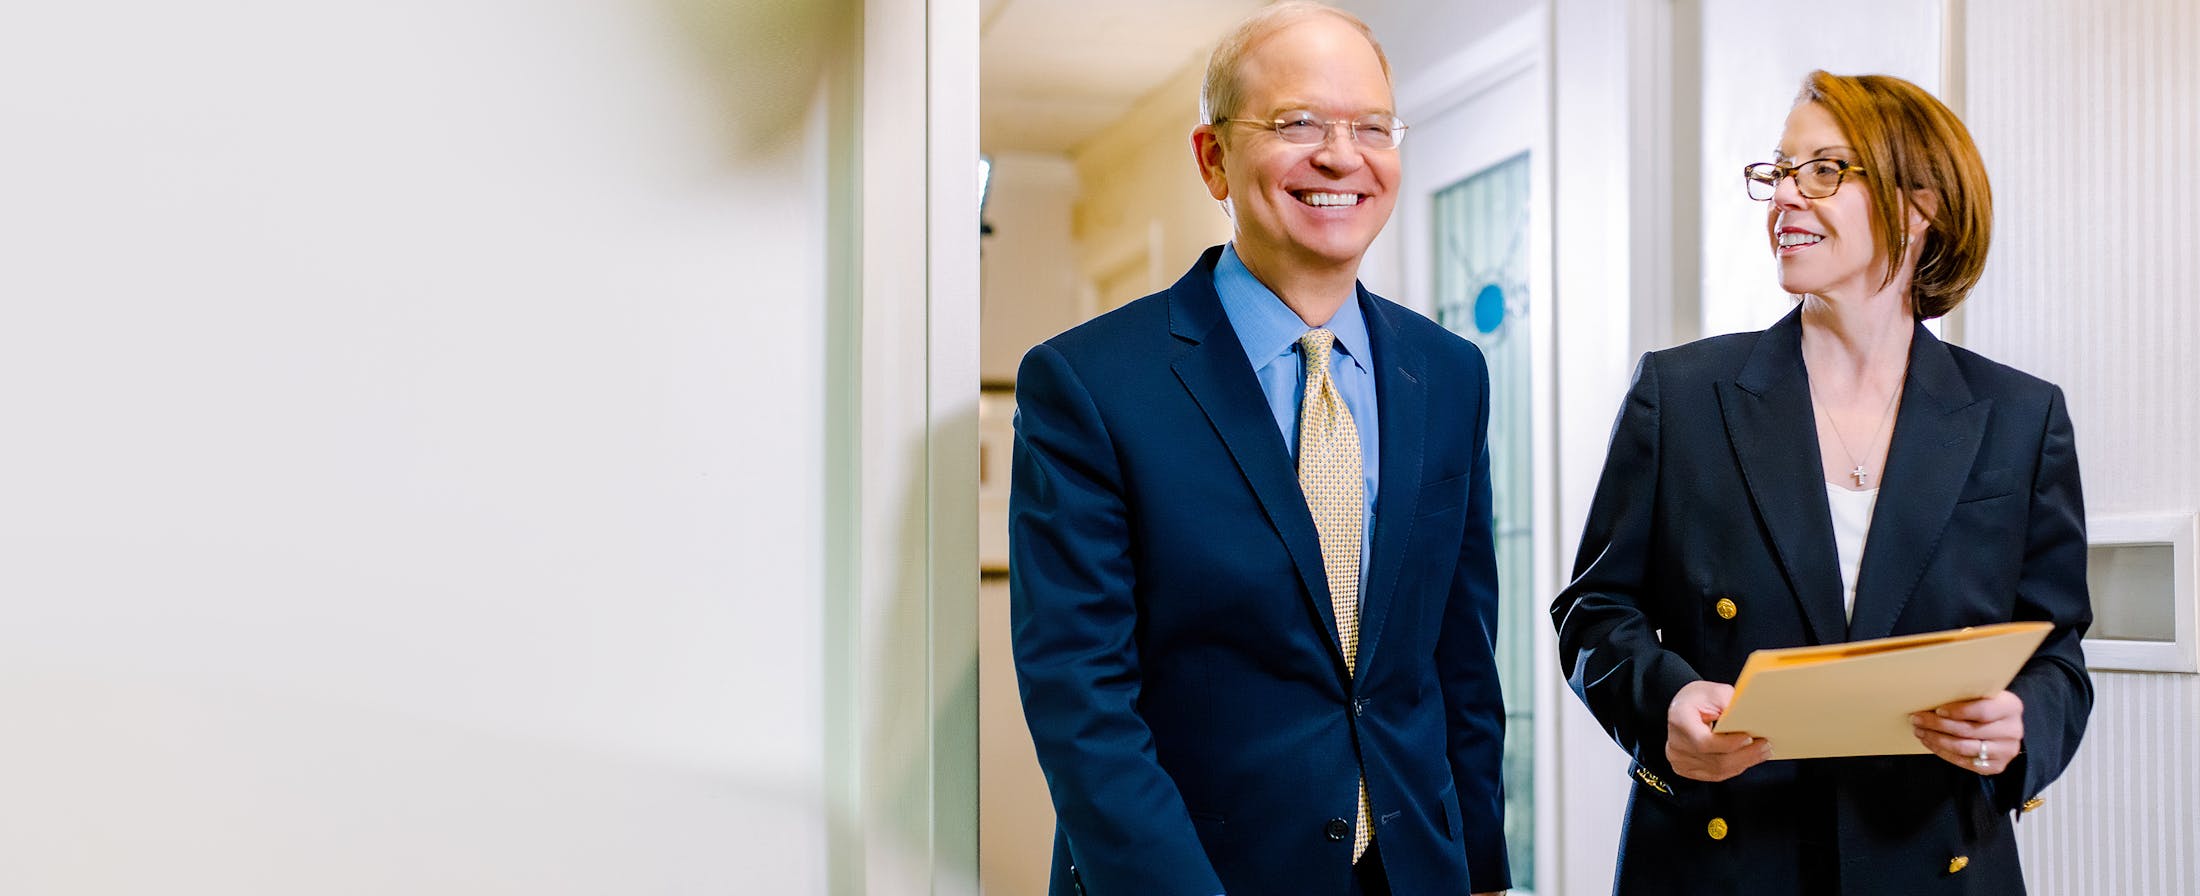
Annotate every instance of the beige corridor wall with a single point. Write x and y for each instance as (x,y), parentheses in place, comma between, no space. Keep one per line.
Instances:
(1119,217)
(1032,288)
(1031,292)
(1142,213)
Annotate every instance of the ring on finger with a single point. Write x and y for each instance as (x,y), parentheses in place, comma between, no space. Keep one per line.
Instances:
(1981,760)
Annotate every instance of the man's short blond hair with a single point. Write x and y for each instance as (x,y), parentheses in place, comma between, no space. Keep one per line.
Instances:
(1220,95)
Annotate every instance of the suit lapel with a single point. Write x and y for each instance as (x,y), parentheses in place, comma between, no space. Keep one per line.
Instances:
(1936,438)
(1401,394)
(1214,370)
(1770,428)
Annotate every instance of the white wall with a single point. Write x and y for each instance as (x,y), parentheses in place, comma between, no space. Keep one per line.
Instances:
(1416,34)
(416,463)
(1596,80)
(2082,112)
(1751,66)
(1422,42)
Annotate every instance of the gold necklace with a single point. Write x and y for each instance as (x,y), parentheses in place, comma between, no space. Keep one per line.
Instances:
(1856,467)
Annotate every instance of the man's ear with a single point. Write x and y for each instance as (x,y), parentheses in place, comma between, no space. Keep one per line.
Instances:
(1207,151)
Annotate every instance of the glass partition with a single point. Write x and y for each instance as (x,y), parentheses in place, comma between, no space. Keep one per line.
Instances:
(1481,293)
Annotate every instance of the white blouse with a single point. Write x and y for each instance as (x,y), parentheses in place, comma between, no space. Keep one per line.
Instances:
(1852,521)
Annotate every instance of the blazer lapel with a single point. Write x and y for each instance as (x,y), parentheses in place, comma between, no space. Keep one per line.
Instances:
(1774,437)
(1937,435)
(1401,393)
(1214,370)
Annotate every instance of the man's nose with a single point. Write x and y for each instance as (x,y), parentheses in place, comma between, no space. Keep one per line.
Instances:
(1340,147)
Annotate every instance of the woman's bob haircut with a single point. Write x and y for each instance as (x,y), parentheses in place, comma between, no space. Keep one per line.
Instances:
(1914,152)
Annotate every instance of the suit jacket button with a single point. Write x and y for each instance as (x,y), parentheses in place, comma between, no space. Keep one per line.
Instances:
(1958,864)
(2033,804)
(1717,829)
(1725,608)
(1337,829)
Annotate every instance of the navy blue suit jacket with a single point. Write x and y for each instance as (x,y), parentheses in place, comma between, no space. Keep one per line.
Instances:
(1713,490)
(1174,641)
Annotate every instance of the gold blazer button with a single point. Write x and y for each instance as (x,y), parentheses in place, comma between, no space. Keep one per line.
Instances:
(2034,803)
(1958,864)
(1717,829)
(1725,608)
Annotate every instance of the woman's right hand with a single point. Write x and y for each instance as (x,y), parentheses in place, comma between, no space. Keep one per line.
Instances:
(1691,747)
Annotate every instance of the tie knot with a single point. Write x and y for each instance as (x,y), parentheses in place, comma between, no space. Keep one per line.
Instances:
(1315,346)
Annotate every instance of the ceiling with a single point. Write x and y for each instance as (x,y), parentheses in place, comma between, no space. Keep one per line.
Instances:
(1053,73)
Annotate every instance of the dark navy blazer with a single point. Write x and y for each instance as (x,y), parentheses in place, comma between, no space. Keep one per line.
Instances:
(1174,641)
(1714,489)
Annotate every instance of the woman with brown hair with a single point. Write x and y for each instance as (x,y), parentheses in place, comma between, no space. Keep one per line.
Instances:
(1839,476)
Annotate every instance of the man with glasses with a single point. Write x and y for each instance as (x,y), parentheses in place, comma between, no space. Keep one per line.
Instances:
(1254,586)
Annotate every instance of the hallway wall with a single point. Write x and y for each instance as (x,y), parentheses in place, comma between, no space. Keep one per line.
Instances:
(388,506)
(2083,113)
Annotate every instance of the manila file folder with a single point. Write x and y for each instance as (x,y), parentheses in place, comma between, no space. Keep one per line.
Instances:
(1855,699)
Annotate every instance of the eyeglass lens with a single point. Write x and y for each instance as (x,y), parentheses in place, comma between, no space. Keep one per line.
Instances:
(1371,131)
(1815,179)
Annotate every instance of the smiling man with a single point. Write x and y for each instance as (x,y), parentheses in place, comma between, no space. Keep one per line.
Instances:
(1253,578)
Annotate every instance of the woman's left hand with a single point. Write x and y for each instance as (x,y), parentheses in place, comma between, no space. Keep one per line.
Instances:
(1992,727)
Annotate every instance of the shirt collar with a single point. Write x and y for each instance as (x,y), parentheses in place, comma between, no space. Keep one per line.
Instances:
(1266,327)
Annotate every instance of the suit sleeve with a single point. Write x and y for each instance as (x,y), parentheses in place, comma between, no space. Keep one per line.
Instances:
(1608,645)
(1467,657)
(1073,618)
(2057,692)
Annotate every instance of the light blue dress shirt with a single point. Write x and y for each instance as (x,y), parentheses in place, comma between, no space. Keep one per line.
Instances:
(1269,330)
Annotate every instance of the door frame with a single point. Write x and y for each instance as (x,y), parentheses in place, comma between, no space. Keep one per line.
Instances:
(901,732)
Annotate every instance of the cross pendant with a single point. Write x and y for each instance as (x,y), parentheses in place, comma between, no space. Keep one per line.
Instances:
(1859,473)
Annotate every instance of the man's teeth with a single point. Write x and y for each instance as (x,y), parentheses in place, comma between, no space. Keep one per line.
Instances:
(1798,239)
(1326,199)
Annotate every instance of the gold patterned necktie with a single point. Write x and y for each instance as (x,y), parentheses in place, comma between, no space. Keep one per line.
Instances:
(1329,474)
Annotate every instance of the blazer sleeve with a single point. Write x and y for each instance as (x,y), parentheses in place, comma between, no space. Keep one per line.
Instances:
(1608,645)
(1073,618)
(1474,704)
(2057,692)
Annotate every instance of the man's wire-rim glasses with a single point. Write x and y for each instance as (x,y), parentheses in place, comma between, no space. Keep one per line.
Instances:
(1307,129)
